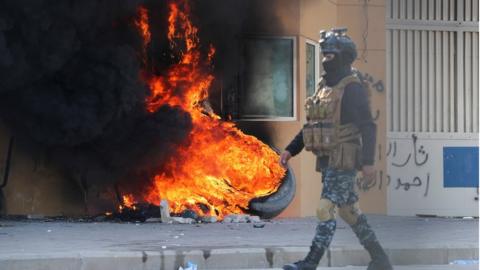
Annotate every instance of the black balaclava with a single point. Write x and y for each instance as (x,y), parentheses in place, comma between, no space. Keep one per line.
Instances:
(337,43)
(335,70)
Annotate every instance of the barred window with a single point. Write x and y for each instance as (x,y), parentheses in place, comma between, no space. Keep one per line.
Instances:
(432,65)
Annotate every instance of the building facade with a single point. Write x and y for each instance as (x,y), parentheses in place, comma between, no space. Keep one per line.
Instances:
(420,59)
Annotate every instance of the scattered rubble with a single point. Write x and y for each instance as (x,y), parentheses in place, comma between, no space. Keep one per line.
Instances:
(241,218)
(254,219)
(190,266)
(35,216)
(141,212)
(153,220)
(181,220)
(190,214)
(208,219)
(164,211)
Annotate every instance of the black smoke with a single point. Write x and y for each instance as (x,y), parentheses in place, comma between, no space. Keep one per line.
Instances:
(70,82)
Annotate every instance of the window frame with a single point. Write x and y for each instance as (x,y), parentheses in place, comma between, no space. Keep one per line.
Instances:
(317,63)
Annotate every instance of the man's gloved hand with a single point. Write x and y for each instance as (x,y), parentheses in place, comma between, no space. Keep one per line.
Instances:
(284,157)
(368,175)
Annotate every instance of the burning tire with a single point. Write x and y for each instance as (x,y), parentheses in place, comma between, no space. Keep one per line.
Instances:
(272,205)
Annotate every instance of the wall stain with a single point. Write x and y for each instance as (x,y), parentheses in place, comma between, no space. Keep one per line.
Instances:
(162,259)
(207,253)
(179,259)
(269,255)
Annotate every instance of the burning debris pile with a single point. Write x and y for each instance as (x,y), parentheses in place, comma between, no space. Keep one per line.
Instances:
(220,169)
(143,212)
(108,112)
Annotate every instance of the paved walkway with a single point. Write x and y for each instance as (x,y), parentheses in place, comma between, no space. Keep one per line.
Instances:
(408,267)
(104,245)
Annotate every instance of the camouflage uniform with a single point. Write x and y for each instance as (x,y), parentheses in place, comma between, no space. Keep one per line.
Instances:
(341,133)
(338,186)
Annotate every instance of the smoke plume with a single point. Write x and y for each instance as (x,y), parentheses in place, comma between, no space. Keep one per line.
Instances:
(70,81)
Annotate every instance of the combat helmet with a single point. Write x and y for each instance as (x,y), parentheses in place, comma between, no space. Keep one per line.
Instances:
(337,42)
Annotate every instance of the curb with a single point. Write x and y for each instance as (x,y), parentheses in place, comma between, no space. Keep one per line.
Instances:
(235,258)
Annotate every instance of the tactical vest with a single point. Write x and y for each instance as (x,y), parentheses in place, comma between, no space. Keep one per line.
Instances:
(324,135)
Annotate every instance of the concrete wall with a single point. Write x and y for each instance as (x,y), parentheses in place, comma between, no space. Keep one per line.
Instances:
(371,62)
(420,183)
(315,15)
(34,186)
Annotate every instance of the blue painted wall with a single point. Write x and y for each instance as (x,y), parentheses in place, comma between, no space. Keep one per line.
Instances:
(460,167)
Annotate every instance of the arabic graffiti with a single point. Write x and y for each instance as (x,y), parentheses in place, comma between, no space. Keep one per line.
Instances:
(420,155)
(416,182)
(375,84)
(365,185)
(419,151)
(379,152)
(377,115)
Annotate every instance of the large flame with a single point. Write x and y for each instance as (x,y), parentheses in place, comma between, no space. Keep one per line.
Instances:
(220,169)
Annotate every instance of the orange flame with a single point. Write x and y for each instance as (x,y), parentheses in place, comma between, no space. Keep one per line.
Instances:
(128,200)
(142,24)
(220,169)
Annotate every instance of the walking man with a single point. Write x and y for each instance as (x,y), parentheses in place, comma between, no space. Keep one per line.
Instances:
(340,131)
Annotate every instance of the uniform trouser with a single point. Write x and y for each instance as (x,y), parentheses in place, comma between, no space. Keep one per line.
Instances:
(338,194)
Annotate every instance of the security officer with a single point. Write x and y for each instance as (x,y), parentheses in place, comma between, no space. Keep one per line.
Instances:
(340,131)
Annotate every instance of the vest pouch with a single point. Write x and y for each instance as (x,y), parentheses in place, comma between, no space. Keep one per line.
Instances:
(317,138)
(307,133)
(310,108)
(315,115)
(345,156)
(329,139)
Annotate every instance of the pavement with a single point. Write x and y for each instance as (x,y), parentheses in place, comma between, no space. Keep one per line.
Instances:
(408,267)
(411,243)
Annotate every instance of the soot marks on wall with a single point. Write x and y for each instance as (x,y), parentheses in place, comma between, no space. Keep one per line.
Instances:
(71,87)
(69,82)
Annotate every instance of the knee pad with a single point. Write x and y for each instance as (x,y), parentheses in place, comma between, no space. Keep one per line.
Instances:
(325,210)
(350,213)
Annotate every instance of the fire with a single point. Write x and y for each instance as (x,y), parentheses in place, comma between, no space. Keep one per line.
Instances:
(142,24)
(220,169)
(128,200)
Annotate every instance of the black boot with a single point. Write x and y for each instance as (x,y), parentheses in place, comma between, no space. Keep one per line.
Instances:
(369,241)
(323,236)
(380,260)
(310,262)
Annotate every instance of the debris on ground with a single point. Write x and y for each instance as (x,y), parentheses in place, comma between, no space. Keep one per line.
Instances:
(189,266)
(464,262)
(164,211)
(241,218)
(208,219)
(181,220)
(258,225)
